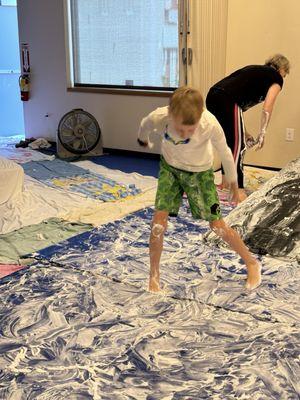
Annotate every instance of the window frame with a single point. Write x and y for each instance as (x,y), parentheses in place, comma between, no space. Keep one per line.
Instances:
(105,88)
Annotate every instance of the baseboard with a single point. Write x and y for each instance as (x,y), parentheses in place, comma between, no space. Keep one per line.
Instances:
(130,153)
(155,156)
(263,167)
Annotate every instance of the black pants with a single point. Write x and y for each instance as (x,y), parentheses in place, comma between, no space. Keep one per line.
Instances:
(230,117)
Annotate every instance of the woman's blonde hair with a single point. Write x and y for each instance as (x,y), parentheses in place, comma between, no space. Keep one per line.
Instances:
(279,61)
(186,103)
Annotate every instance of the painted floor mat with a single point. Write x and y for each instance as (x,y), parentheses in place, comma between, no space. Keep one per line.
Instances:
(95,186)
(70,177)
(256,177)
(79,324)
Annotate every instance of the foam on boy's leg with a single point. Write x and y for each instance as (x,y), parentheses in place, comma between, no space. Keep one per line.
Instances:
(253,276)
(157,230)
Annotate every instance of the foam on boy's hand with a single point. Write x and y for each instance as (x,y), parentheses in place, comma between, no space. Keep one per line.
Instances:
(150,144)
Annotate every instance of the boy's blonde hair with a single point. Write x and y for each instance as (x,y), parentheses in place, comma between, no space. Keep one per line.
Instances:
(186,103)
(278,61)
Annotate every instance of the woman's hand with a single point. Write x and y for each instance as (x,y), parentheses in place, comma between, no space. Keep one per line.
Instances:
(250,141)
(260,141)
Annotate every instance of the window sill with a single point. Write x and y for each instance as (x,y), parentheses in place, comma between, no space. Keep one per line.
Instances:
(127,92)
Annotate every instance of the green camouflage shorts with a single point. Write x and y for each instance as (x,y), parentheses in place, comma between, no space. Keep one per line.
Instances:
(199,187)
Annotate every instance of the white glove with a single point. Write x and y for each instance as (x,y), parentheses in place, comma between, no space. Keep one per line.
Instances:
(260,141)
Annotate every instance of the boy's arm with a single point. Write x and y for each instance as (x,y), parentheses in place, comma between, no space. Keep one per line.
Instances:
(146,127)
(155,122)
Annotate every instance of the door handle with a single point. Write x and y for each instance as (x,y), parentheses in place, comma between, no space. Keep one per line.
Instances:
(184,56)
(188,30)
(190,56)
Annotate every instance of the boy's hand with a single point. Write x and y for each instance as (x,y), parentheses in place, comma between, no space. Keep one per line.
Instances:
(142,143)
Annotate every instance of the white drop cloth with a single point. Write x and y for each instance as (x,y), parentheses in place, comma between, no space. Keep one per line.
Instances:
(11,180)
(39,202)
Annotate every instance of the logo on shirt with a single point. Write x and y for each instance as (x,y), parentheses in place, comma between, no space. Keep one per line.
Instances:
(170,139)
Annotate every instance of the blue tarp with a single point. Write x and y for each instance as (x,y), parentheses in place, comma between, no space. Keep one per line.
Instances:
(80,322)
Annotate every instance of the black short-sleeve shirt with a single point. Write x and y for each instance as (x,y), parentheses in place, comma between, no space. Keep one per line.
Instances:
(248,86)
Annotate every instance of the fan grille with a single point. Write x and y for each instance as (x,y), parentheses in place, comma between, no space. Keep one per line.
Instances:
(79,132)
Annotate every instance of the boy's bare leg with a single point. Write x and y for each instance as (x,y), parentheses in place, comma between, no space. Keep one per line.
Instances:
(231,237)
(158,227)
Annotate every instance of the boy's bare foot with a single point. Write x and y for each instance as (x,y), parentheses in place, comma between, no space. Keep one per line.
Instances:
(154,284)
(253,275)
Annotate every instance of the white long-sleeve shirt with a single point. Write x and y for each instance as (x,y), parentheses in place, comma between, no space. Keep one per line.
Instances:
(197,154)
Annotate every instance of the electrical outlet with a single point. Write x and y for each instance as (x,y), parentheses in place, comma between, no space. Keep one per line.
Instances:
(289,134)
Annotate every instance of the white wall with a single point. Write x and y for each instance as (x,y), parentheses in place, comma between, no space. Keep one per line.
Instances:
(41,25)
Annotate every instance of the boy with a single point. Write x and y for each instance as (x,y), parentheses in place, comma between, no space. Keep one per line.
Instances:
(188,131)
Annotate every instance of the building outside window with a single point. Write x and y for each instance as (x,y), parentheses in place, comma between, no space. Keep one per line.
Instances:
(8,2)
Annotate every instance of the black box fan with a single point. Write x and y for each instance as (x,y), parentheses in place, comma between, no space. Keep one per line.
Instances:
(78,134)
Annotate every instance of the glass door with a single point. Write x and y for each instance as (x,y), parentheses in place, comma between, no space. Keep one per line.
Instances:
(11,107)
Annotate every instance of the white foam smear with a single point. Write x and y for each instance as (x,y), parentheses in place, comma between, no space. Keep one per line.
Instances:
(268,219)
(90,335)
(86,327)
(150,144)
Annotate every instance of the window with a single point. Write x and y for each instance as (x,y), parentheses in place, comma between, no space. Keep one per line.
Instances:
(8,2)
(125,44)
